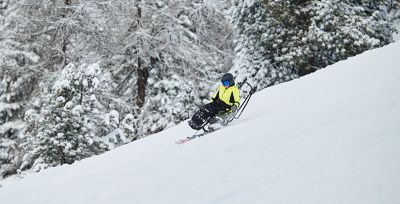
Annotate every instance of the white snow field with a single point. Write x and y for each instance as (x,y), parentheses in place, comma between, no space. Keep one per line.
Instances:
(329,137)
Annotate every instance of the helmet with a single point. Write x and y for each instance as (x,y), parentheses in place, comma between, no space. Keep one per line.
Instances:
(228,77)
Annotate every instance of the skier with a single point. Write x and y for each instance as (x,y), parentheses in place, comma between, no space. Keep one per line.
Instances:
(225,100)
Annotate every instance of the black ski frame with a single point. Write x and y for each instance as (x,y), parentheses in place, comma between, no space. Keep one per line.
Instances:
(245,102)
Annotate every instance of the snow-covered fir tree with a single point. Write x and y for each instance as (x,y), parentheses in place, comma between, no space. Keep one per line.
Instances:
(16,54)
(281,40)
(65,124)
(254,59)
(340,29)
(14,90)
(17,81)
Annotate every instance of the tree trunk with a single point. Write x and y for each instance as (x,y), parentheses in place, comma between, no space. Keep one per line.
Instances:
(143,72)
(65,34)
(143,75)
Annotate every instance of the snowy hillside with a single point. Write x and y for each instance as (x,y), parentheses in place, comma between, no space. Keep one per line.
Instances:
(329,137)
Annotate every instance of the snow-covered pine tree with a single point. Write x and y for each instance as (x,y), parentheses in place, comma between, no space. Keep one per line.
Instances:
(17,79)
(341,29)
(280,40)
(389,8)
(14,90)
(65,124)
(256,34)
(15,57)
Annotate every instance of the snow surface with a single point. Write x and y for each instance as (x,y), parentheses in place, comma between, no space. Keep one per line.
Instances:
(329,137)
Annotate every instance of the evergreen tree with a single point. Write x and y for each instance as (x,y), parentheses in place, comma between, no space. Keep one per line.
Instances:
(256,35)
(13,92)
(17,79)
(282,40)
(63,126)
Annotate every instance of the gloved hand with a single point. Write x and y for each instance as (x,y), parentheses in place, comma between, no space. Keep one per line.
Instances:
(234,108)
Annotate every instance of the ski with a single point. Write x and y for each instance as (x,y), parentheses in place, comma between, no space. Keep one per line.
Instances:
(206,131)
(187,139)
(184,140)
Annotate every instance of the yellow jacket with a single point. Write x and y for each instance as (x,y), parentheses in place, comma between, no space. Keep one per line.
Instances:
(230,95)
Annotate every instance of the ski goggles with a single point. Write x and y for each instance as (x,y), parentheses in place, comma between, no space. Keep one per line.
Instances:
(225,83)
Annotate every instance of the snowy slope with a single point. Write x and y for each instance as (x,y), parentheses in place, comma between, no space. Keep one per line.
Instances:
(329,137)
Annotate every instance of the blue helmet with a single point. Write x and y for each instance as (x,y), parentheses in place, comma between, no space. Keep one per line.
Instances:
(228,77)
